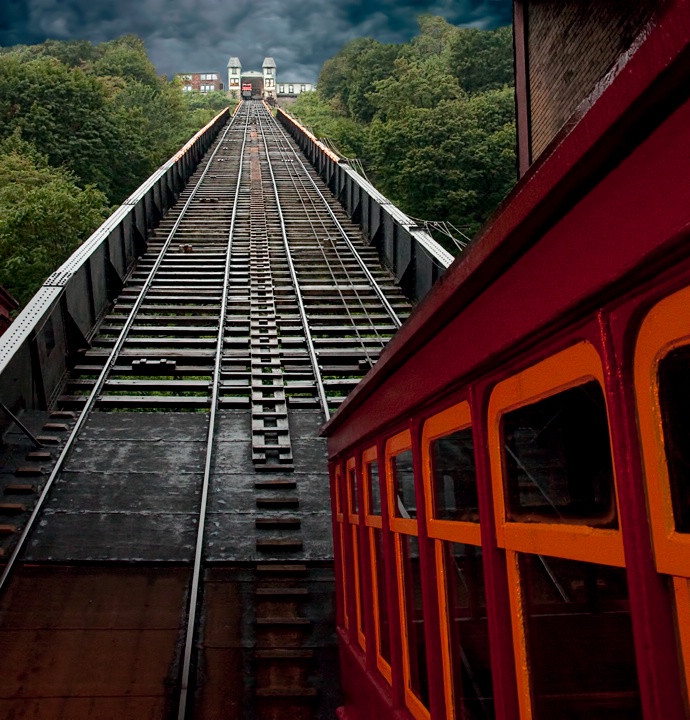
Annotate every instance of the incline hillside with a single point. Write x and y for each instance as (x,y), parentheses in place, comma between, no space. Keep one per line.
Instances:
(432,120)
(81,126)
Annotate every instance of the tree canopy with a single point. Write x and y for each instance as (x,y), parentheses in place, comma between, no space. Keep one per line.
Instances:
(44,216)
(81,126)
(431,120)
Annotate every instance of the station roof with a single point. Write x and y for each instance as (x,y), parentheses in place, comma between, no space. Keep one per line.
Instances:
(269,62)
(234,62)
(252,73)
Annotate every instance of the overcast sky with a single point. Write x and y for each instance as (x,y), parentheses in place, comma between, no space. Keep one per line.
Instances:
(200,35)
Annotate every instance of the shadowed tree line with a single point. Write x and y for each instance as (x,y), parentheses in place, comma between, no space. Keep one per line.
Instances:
(81,127)
(432,120)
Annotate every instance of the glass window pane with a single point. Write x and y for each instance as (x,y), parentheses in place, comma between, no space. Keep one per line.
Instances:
(469,634)
(403,478)
(352,489)
(374,488)
(557,460)
(579,640)
(414,616)
(674,396)
(454,477)
(379,572)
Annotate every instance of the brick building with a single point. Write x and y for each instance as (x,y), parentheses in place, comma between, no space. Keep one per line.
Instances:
(201,82)
(563,52)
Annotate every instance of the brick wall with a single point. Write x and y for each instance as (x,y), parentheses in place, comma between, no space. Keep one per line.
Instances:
(196,80)
(571,44)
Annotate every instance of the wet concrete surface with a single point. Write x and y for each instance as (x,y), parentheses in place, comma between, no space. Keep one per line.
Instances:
(130,491)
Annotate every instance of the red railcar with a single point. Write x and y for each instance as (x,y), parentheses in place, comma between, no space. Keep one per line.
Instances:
(511,481)
(247,90)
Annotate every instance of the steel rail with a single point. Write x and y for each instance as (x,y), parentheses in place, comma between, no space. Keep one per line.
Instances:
(288,149)
(295,176)
(343,233)
(293,274)
(100,382)
(300,193)
(198,554)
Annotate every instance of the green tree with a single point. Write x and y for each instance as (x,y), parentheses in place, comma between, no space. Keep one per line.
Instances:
(103,120)
(431,120)
(61,110)
(482,59)
(44,217)
(422,83)
(126,57)
(350,136)
(349,77)
(453,162)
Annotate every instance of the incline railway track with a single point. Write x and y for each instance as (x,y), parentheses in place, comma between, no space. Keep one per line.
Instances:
(190,462)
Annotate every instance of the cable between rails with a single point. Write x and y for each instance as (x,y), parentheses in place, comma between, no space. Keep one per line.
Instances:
(302,192)
(377,289)
(298,293)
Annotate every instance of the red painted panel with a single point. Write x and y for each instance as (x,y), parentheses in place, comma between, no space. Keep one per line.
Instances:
(366,697)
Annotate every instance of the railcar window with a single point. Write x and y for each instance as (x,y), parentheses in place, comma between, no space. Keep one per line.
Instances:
(352,490)
(403,477)
(557,460)
(579,640)
(454,477)
(674,400)
(468,632)
(374,488)
(414,617)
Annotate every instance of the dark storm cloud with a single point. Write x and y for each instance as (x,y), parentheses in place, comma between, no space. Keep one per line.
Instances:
(200,35)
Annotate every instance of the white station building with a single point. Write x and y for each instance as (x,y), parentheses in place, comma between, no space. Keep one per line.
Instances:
(264,83)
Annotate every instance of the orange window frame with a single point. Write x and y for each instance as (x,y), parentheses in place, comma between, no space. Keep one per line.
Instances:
(353,519)
(665,328)
(566,369)
(402,526)
(395,446)
(457,417)
(369,456)
(374,524)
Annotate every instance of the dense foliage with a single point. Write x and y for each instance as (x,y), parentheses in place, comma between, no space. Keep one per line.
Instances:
(81,126)
(431,120)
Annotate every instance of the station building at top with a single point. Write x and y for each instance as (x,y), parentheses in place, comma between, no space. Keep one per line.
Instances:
(265,83)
